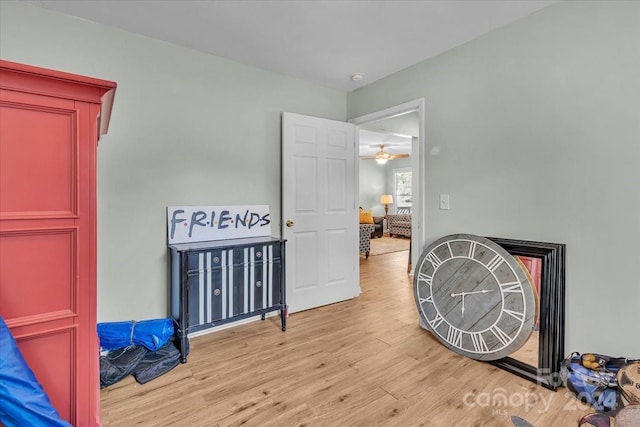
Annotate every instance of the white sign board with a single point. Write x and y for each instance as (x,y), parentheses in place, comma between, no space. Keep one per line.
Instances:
(189,224)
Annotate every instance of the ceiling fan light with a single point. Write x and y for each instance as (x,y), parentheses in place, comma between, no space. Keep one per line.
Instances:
(382,161)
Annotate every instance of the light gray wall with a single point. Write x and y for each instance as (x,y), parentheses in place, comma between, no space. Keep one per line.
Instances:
(372,186)
(538,130)
(187,129)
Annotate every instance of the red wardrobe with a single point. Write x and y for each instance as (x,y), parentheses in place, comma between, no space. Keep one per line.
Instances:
(50,123)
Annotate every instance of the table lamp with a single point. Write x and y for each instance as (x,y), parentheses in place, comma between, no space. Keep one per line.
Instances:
(386,200)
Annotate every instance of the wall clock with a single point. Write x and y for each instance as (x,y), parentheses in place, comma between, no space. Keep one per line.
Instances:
(475,297)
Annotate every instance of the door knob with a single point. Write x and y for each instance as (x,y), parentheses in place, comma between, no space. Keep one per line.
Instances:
(289,223)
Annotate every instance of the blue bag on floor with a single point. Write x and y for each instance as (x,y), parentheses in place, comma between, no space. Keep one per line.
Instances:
(151,334)
(23,401)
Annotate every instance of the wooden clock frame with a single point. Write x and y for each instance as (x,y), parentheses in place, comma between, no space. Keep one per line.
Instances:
(552,301)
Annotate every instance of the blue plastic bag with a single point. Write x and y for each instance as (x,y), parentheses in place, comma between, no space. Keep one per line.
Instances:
(152,334)
(23,401)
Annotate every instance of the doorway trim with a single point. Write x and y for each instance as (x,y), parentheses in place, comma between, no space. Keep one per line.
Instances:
(418,220)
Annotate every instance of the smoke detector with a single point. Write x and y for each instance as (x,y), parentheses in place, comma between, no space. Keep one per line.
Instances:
(356,77)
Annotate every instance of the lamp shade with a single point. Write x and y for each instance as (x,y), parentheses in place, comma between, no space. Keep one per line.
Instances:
(386,199)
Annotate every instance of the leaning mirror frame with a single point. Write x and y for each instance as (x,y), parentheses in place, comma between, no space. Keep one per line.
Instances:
(551,312)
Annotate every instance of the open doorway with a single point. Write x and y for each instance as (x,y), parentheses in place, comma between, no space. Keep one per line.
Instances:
(390,175)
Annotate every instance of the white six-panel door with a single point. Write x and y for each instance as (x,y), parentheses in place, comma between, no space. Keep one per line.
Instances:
(319,212)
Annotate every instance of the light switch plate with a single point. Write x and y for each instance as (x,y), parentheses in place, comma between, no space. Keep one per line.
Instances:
(444,202)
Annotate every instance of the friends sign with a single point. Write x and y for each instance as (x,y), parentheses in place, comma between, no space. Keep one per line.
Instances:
(188,224)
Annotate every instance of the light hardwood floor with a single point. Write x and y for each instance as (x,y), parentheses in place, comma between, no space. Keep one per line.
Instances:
(358,363)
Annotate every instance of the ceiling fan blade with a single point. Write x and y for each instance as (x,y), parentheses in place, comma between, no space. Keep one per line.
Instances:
(383,155)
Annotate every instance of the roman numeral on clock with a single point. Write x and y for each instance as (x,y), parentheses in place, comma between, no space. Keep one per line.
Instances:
(515,314)
(472,249)
(427,299)
(494,263)
(479,345)
(434,260)
(450,251)
(436,321)
(425,278)
(511,287)
(454,336)
(501,335)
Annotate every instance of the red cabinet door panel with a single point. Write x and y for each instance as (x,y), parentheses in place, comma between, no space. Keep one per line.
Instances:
(37,266)
(38,157)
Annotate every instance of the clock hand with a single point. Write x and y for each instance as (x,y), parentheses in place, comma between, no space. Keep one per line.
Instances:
(484,291)
(463,294)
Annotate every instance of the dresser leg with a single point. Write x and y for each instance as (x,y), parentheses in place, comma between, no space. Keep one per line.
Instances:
(184,345)
(283,317)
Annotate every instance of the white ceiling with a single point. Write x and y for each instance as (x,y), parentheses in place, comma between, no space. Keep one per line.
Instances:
(394,133)
(319,41)
(370,143)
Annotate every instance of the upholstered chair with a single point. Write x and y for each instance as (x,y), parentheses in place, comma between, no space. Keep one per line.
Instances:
(365,238)
(400,225)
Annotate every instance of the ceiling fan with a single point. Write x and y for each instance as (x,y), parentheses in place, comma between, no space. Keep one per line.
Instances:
(383,157)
